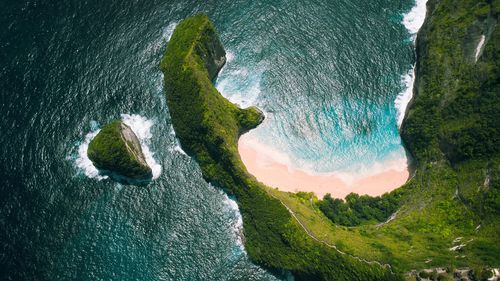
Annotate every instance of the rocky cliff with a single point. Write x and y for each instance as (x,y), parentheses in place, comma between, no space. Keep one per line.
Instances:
(453,115)
(116,149)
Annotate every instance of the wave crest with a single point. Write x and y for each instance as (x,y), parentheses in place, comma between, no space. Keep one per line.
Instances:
(413,21)
(140,125)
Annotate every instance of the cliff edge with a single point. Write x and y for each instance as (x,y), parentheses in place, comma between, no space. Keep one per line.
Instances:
(208,126)
(116,149)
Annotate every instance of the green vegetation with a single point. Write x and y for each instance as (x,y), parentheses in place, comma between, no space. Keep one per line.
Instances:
(447,214)
(455,113)
(208,127)
(480,274)
(110,151)
(356,210)
(452,130)
(454,116)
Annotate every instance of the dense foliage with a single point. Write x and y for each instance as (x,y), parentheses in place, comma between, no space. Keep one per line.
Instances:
(455,112)
(356,209)
(208,127)
(452,120)
(108,151)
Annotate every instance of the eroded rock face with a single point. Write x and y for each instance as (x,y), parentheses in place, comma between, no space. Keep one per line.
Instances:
(133,142)
(212,53)
(116,150)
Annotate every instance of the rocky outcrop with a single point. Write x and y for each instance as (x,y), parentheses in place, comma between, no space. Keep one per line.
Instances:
(116,150)
(211,52)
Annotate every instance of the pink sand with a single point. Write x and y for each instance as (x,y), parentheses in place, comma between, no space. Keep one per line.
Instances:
(261,162)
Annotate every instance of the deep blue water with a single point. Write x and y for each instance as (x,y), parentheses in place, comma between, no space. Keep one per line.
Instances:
(326,73)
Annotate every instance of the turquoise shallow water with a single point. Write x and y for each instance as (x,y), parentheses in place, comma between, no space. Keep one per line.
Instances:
(326,72)
(327,76)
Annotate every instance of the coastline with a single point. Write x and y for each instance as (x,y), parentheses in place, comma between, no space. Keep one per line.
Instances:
(261,161)
(273,237)
(264,164)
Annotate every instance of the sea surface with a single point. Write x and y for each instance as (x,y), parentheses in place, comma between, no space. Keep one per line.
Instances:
(331,76)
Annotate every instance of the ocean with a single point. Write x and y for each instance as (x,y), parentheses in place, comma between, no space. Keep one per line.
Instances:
(333,78)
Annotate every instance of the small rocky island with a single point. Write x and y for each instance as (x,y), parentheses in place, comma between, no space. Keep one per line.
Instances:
(117,152)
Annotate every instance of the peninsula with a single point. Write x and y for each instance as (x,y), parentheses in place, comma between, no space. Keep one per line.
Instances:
(208,127)
(444,218)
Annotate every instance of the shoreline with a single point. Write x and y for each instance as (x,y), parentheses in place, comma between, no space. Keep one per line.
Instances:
(267,169)
(259,161)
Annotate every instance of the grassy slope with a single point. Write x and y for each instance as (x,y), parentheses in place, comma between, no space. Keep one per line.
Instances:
(208,127)
(108,152)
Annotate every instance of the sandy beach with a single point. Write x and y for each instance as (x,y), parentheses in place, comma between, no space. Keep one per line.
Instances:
(266,166)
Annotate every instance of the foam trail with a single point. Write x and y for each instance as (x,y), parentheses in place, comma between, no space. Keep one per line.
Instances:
(142,129)
(229,56)
(244,95)
(140,126)
(179,149)
(177,146)
(237,224)
(83,162)
(413,21)
(229,59)
(172,131)
(404,97)
(156,46)
(168,31)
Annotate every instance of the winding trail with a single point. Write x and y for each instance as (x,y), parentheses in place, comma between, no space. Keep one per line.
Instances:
(386,265)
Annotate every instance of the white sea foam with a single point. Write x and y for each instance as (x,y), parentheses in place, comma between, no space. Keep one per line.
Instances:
(237,223)
(142,129)
(405,96)
(395,161)
(229,59)
(159,43)
(168,31)
(178,148)
(268,155)
(172,131)
(141,126)
(242,96)
(229,56)
(414,19)
(83,162)
(239,85)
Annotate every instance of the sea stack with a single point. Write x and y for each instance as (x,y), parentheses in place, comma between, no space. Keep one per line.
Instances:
(117,151)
